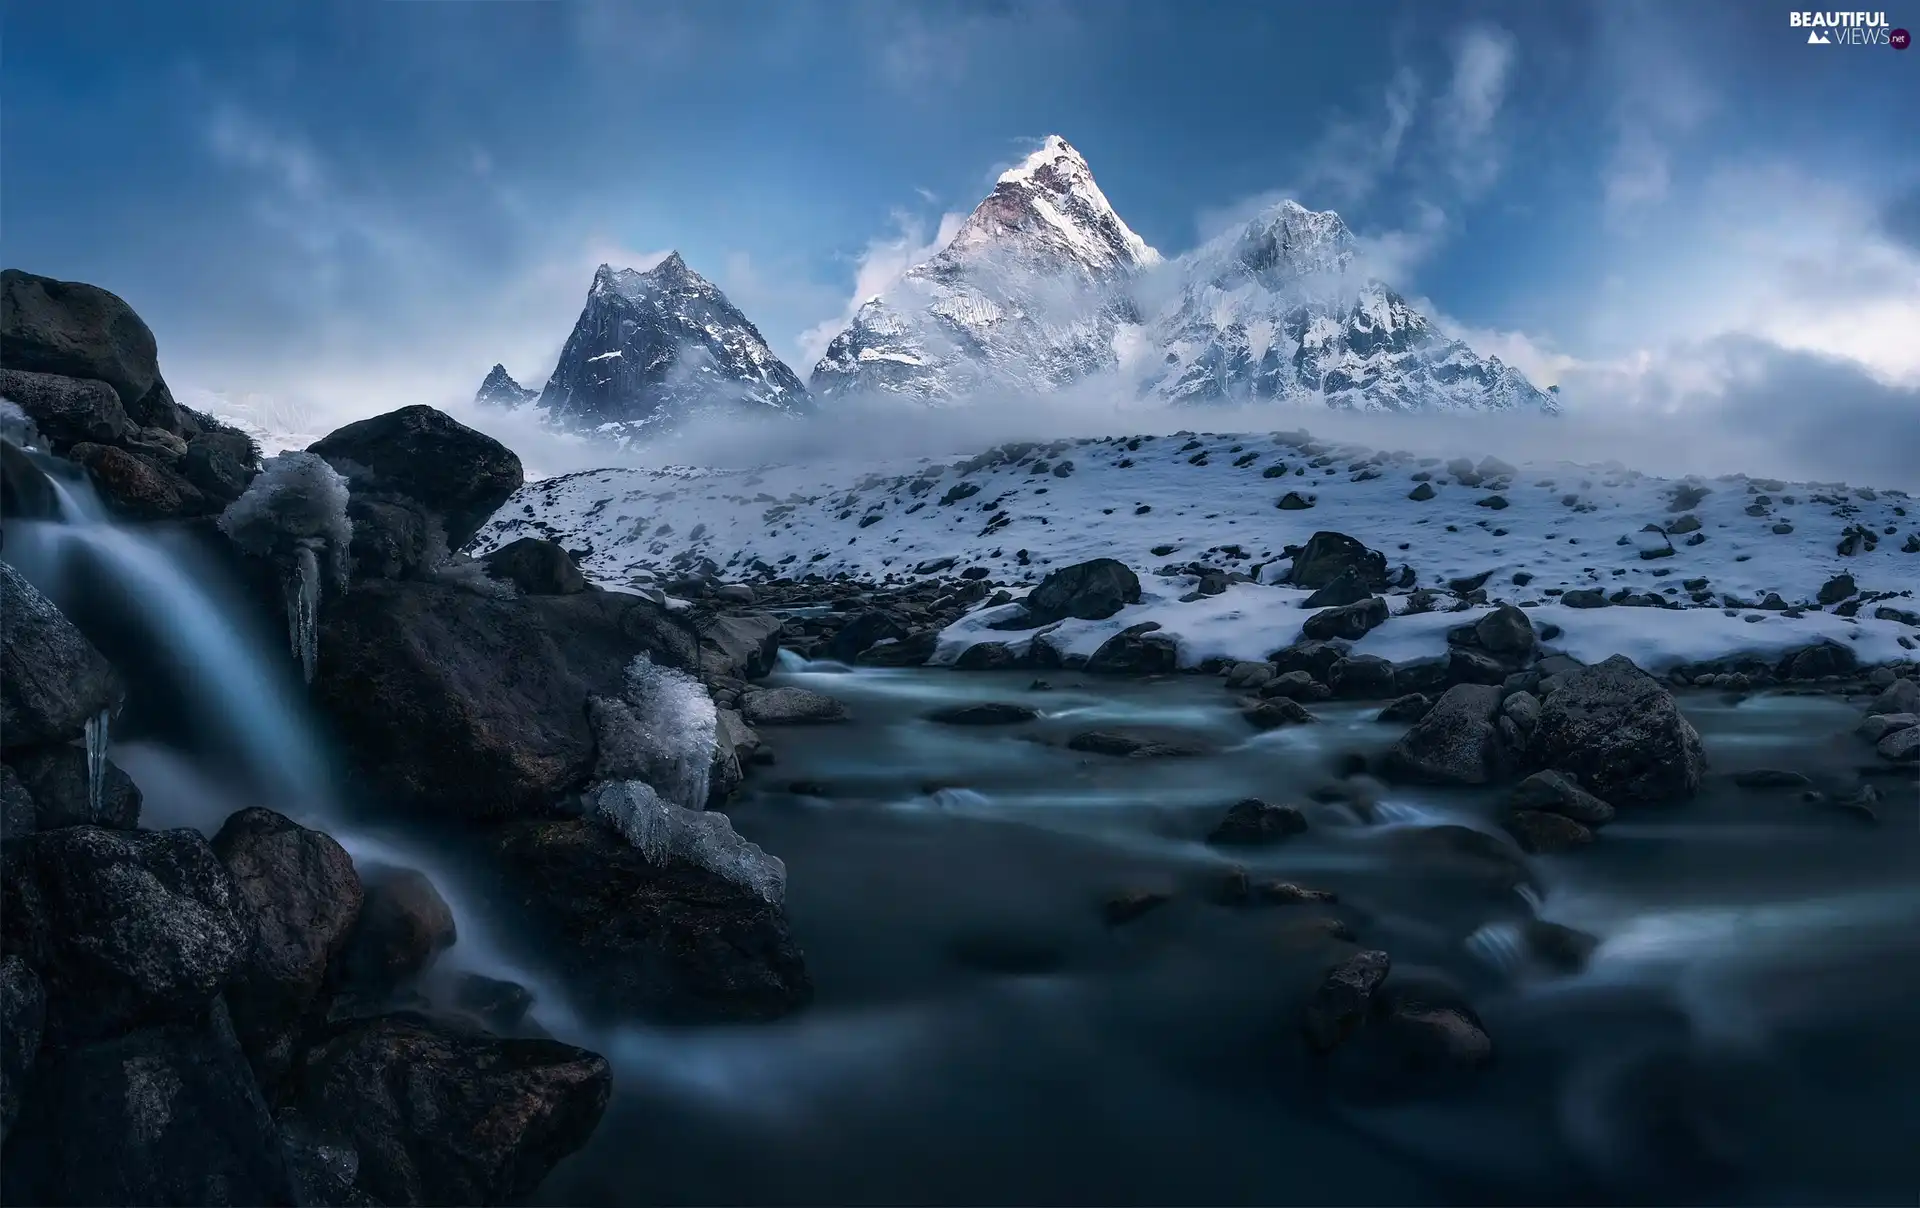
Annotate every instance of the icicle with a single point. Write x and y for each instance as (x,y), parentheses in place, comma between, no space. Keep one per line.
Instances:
(303,608)
(97,738)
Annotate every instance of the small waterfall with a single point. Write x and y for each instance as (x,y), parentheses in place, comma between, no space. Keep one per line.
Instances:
(303,607)
(97,738)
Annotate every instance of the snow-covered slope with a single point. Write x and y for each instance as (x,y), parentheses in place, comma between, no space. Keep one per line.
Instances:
(1026,296)
(652,348)
(1179,504)
(1278,309)
(500,390)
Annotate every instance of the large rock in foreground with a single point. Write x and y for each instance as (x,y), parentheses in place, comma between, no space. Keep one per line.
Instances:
(1327,555)
(77,331)
(1455,742)
(52,680)
(1620,732)
(462,475)
(445,1116)
(1091,591)
(672,942)
(126,927)
(164,1115)
(470,705)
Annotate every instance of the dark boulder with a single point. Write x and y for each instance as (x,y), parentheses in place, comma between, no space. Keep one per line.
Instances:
(1091,591)
(873,625)
(1346,588)
(1468,666)
(300,891)
(1257,823)
(1136,650)
(393,538)
(986,713)
(125,927)
(76,331)
(214,471)
(913,650)
(537,567)
(1133,746)
(443,1115)
(402,925)
(1557,793)
(1541,833)
(1343,999)
(52,680)
(136,486)
(18,813)
(23,1014)
(500,1005)
(167,1114)
(55,777)
(1350,622)
(1409,708)
(737,645)
(789,707)
(1506,631)
(67,410)
(1455,742)
(1327,555)
(1361,677)
(1314,657)
(460,475)
(468,705)
(1619,731)
(1275,712)
(672,942)
(987,656)
(1827,658)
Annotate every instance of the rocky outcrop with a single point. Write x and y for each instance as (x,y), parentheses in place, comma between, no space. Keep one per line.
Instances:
(1328,555)
(52,680)
(789,707)
(55,778)
(460,475)
(1454,742)
(537,567)
(23,1014)
(1617,730)
(1091,591)
(672,942)
(470,705)
(76,331)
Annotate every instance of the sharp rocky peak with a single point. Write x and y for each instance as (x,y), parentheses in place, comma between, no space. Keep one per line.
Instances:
(1049,203)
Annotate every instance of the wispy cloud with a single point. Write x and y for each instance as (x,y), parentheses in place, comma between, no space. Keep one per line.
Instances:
(1659,98)
(883,261)
(1469,111)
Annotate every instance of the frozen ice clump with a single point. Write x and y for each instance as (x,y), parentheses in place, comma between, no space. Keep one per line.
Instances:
(662,831)
(661,730)
(295,499)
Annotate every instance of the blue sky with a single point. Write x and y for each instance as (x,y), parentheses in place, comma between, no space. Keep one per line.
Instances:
(362,202)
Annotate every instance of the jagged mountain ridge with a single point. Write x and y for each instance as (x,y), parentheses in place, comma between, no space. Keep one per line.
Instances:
(652,349)
(500,390)
(1026,295)
(1046,286)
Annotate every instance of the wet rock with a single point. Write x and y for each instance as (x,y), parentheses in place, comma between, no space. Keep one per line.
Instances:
(1346,588)
(17,810)
(1350,621)
(1541,833)
(166,1114)
(1901,696)
(1327,555)
(1409,708)
(1295,685)
(672,942)
(1132,746)
(124,927)
(1250,675)
(1879,725)
(789,707)
(403,925)
(987,713)
(66,410)
(1278,711)
(215,471)
(392,538)
(1561,948)
(1524,708)
(26,493)
(1092,591)
(501,1005)
(537,567)
(1256,823)
(1136,650)
(1770,778)
(443,1116)
(738,646)
(1558,793)
(987,656)
(913,650)
(1315,658)
(1124,908)
(52,680)
(56,779)
(302,897)
(466,705)
(1828,658)
(136,487)
(1467,666)
(860,633)
(1837,589)
(1361,677)
(75,331)
(23,1014)
(1418,1036)
(1454,742)
(460,475)
(1618,730)
(1506,631)
(1343,999)
(1901,746)
(1286,893)
(1459,854)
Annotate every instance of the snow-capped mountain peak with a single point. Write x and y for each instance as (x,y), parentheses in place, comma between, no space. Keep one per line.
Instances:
(1283,244)
(500,390)
(1050,201)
